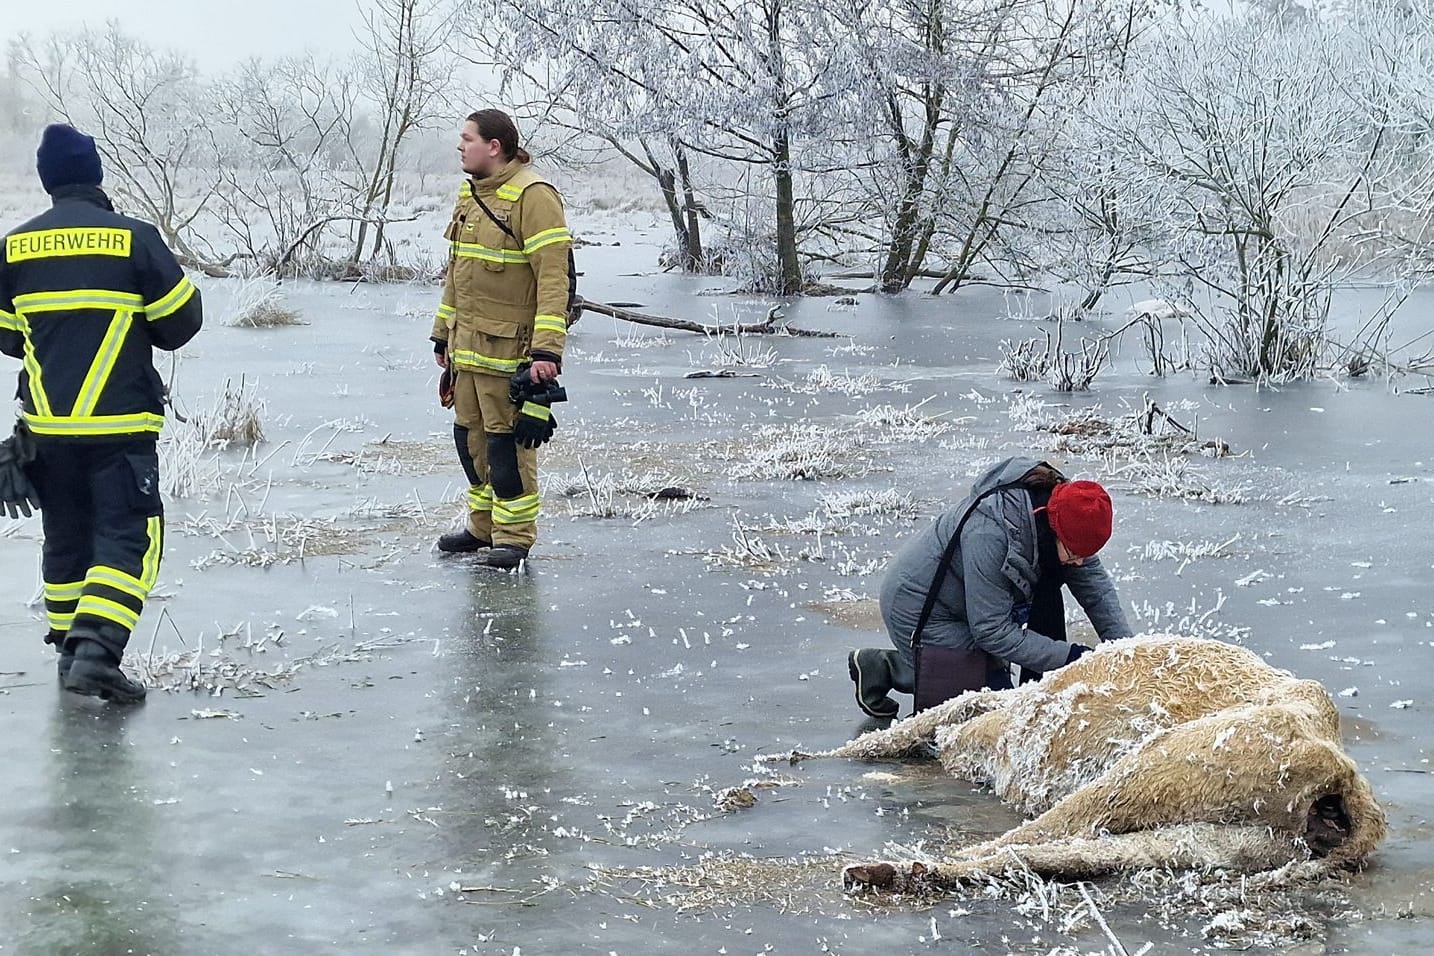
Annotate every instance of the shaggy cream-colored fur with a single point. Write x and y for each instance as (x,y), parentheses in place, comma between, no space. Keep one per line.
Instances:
(1151,752)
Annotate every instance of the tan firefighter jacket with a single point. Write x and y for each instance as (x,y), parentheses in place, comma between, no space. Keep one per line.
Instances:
(505,300)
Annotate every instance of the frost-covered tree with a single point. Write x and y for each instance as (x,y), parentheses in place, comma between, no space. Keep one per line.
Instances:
(146,109)
(741,84)
(1269,143)
(280,125)
(406,74)
(964,103)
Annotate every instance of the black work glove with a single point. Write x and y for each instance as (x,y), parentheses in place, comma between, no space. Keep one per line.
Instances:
(17,495)
(1077,652)
(535,425)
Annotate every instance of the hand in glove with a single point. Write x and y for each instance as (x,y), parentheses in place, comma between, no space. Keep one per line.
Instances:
(1077,651)
(17,495)
(535,425)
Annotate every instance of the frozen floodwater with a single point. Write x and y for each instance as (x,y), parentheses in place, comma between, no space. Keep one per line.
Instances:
(415,756)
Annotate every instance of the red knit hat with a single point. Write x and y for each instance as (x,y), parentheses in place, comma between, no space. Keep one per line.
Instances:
(1080,516)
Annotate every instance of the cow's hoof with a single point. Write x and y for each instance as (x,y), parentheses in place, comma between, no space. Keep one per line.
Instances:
(885,876)
(879,876)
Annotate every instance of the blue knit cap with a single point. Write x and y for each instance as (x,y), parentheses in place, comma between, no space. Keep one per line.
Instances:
(67,157)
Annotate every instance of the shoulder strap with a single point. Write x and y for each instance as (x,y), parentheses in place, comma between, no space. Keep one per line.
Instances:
(944,566)
(489,213)
(511,191)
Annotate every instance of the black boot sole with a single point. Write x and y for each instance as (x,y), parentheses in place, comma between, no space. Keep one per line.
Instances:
(81,681)
(854,670)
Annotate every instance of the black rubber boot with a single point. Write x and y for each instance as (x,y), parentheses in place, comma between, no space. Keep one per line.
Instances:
(462,541)
(505,556)
(870,670)
(67,656)
(96,673)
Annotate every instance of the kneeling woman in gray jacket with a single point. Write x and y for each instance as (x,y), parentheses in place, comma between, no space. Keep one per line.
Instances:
(980,589)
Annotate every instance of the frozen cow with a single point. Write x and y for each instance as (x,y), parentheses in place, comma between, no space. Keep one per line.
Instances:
(1151,752)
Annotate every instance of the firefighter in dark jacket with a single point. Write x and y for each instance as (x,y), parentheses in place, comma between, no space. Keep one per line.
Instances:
(980,589)
(85,295)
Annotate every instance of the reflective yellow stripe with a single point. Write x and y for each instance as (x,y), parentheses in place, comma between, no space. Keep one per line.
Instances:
(149,566)
(508,192)
(446,311)
(67,591)
(516,510)
(119,580)
(48,243)
(172,301)
(465,358)
(546,238)
(103,365)
(62,425)
(550,323)
(34,380)
(11,321)
(480,498)
(109,610)
(104,299)
(472,250)
(60,622)
(537,411)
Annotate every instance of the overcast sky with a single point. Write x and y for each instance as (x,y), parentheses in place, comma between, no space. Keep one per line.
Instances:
(216,34)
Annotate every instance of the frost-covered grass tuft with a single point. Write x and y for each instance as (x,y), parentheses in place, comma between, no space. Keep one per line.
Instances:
(235,418)
(847,504)
(822,380)
(800,451)
(638,496)
(908,423)
(749,551)
(257,303)
(1028,412)
(738,350)
(188,465)
(1174,478)
(1183,551)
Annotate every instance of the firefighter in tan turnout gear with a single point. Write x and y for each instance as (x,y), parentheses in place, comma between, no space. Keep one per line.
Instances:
(85,296)
(499,334)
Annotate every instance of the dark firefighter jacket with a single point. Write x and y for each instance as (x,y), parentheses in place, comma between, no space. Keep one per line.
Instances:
(85,295)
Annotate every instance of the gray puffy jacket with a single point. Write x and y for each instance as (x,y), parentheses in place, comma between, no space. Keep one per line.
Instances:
(993,572)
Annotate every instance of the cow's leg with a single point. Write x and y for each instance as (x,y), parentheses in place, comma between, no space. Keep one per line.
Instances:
(1189,846)
(908,736)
